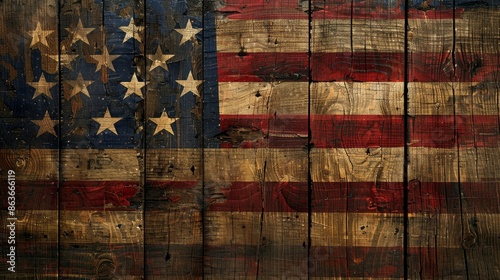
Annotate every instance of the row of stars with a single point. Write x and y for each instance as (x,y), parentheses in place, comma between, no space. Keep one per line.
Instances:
(134,86)
(107,122)
(80,33)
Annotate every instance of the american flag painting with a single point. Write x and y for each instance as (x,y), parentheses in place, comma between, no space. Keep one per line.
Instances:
(232,139)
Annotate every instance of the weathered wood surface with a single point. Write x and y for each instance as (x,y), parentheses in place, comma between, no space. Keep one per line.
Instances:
(256,223)
(223,140)
(101,204)
(366,164)
(29,90)
(453,171)
(174,71)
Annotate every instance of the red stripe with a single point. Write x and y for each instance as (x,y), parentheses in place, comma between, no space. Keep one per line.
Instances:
(99,195)
(328,131)
(359,131)
(436,263)
(255,67)
(362,197)
(264,9)
(453,197)
(445,131)
(358,66)
(435,67)
(33,195)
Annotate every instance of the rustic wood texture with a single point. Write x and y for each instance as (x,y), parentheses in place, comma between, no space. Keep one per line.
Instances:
(29,112)
(432,168)
(478,159)
(365,164)
(101,216)
(173,217)
(447,173)
(235,139)
(268,241)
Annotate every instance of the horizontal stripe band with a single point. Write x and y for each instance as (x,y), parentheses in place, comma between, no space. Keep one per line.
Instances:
(372,164)
(361,67)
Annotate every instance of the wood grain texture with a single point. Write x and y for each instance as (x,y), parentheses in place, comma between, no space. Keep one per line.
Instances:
(359,153)
(480,235)
(28,119)
(99,119)
(434,164)
(174,168)
(276,240)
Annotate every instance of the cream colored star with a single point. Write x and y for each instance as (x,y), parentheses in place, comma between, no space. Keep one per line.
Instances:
(134,86)
(159,59)
(131,31)
(46,125)
(188,32)
(190,85)
(80,33)
(64,58)
(163,123)
(79,85)
(107,122)
(42,87)
(39,35)
(105,59)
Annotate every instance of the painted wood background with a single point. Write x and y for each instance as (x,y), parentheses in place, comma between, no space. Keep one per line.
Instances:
(266,139)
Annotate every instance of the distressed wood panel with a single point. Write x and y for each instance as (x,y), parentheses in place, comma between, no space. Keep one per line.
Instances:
(480,235)
(366,154)
(101,151)
(432,169)
(29,131)
(174,75)
(257,144)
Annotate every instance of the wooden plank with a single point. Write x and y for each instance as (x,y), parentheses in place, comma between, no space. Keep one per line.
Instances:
(479,231)
(101,155)
(240,152)
(174,72)
(367,146)
(426,173)
(29,114)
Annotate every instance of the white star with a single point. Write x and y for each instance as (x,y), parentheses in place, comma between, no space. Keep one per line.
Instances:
(163,123)
(131,31)
(46,125)
(134,86)
(190,85)
(159,59)
(107,122)
(105,59)
(42,87)
(80,33)
(39,35)
(188,32)
(79,85)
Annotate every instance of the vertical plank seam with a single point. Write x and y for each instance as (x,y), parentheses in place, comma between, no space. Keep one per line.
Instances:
(455,135)
(309,139)
(202,144)
(144,142)
(59,133)
(406,143)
